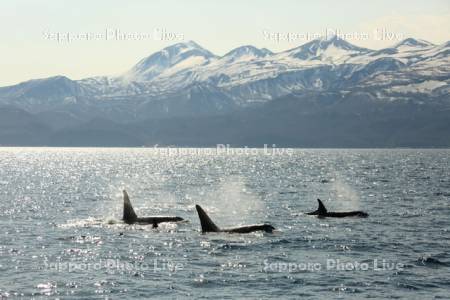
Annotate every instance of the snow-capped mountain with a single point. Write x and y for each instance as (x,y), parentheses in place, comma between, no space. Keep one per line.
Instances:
(325,93)
(172,59)
(245,53)
(413,44)
(46,93)
(332,50)
(189,75)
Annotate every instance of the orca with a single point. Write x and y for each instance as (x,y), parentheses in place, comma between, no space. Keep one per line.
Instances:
(322,212)
(130,217)
(209,226)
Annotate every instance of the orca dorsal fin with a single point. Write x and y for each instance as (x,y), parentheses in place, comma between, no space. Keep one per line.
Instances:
(321,210)
(206,223)
(129,215)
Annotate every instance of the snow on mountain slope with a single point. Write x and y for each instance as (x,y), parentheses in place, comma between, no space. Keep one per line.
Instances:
(411,44)
(421,87)
(408,51)
(171,59)
(248,64)
(332,50)
(185,64)
(245,53)
(248,75)
(42,94)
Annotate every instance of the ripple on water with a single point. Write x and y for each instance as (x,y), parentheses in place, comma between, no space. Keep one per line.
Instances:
(68,205)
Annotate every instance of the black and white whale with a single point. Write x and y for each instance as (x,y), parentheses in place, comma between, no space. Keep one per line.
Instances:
(130,217)
(322,212)
(209,226)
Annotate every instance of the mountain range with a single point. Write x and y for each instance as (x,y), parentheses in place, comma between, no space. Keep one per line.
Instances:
(325,93)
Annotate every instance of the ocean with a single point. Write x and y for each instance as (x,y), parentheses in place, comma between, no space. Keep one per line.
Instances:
(62,235)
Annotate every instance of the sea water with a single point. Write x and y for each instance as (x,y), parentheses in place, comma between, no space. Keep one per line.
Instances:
(62,235)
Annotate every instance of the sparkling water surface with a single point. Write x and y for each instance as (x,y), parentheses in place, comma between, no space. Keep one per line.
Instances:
(61,234)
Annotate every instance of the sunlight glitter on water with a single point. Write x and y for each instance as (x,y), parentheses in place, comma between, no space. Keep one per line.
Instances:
(63,207)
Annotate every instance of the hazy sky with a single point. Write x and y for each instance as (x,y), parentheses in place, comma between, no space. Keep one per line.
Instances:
(30,49)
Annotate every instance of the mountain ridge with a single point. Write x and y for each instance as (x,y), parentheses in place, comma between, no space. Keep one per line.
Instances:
(185,82)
